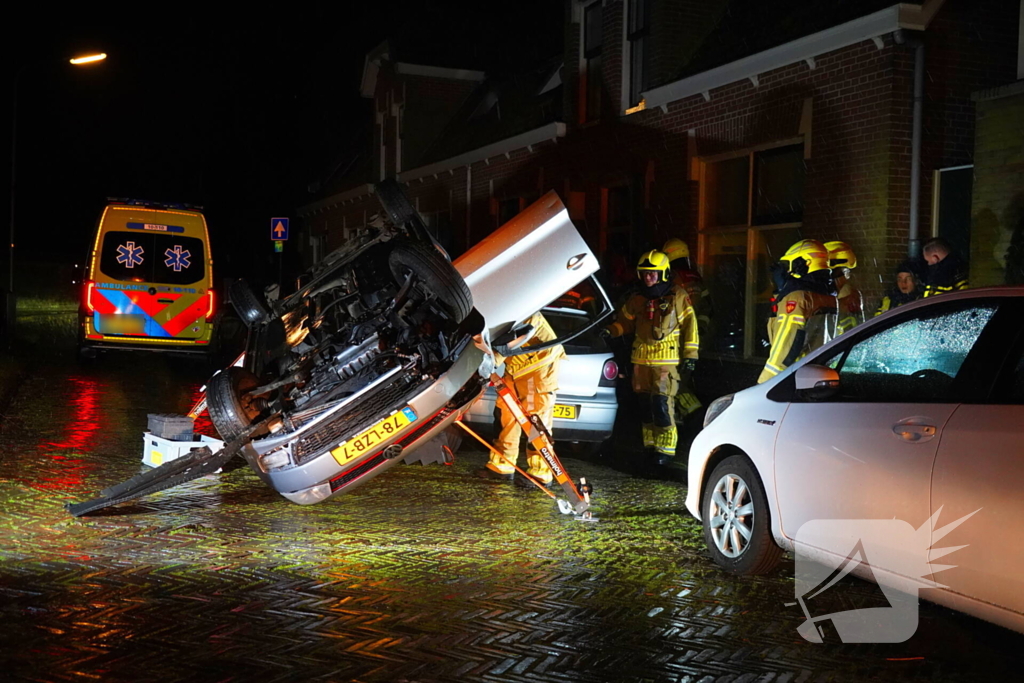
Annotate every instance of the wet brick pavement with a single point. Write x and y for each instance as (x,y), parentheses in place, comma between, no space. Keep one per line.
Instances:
(426,573)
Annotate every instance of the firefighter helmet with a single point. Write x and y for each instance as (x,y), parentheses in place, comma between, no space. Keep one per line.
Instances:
(840,255)
(656,261)
(805,257)
(675,248)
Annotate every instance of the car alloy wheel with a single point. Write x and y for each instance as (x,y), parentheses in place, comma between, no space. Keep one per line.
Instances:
(732,515)
(736,518)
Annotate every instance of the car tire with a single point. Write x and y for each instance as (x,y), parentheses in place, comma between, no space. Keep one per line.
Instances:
(397,206)
(436,274)
(733,501)
(248,307)
(230,411)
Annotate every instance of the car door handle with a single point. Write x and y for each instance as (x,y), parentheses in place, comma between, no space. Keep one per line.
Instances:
(911,432)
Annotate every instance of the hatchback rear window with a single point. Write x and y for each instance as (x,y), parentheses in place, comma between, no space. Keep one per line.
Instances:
(135,256)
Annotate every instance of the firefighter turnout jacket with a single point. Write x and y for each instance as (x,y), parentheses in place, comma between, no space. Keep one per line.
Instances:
(665,327)
(787,330)
(522,365)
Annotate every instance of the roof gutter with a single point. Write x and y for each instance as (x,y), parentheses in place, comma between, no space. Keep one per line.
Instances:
(804,49)
(551,131)
(335,199)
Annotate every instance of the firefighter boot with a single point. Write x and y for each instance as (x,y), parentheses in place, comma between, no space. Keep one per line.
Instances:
(499,467)
(539,469)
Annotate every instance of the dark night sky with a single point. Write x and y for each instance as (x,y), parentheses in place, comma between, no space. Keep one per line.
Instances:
(238,113)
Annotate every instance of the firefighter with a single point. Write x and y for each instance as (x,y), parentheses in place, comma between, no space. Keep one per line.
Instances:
(665,334)
(946,270)
(907,289)
(850,302)
(534,379)
(686,276)
(803,289)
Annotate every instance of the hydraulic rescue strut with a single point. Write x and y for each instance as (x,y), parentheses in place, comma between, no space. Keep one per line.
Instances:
(540,439)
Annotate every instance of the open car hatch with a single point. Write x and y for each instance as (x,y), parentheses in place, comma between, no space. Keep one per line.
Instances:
(525,264)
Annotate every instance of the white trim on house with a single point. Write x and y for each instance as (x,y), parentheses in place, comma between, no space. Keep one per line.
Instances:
(335,199)
(439,72)
(804,49)
(550,131)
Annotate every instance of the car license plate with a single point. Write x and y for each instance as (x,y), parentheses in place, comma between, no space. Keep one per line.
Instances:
(349,450)
(566,412)
(122,323)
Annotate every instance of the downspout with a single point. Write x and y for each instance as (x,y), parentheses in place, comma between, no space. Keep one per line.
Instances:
(469,201)
(913,236)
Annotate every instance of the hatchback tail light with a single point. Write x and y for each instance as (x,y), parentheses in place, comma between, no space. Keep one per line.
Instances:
(609,373)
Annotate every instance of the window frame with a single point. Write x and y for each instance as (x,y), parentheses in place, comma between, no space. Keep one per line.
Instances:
(705,232)
(633,36)
(590,65)
(979,378)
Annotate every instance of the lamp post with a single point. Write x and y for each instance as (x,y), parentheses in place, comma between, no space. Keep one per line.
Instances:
(10,308)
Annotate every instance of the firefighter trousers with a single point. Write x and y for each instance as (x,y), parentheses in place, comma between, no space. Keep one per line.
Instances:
(536,391)
(656,387)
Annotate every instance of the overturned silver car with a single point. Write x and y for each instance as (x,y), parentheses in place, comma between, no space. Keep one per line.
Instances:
(386,345)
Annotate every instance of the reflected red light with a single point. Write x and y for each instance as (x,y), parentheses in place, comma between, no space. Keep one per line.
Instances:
(84,423)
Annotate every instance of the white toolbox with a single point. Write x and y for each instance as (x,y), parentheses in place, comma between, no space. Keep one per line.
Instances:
(157,450)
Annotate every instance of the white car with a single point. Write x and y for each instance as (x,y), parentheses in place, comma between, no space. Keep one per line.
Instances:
(917,413)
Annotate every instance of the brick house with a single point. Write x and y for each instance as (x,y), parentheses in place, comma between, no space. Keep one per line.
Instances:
(740,126)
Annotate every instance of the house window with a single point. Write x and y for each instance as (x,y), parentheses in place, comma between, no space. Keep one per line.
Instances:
(637,32)
(508,209)
(751,211)
(593,38)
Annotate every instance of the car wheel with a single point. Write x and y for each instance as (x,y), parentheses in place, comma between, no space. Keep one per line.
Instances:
(736,519)
(436,274)
(394,201)
(231,411)
(248,307)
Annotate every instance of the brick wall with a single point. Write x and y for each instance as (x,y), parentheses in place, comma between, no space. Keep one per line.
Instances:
(998,200)
(858,173)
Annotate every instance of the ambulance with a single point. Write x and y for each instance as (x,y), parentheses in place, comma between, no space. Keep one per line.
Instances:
(148,280)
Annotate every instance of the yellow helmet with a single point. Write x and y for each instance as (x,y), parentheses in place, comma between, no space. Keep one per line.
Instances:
(656,261)
(805,257)
(840,255)
(676,248)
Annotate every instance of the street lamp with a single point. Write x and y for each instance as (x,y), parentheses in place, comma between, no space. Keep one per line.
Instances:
(10,308)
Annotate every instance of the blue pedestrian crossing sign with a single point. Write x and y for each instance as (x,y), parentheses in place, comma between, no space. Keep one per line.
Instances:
(278,229)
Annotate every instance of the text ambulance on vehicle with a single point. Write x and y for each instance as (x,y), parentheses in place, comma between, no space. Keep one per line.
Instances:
(148,280)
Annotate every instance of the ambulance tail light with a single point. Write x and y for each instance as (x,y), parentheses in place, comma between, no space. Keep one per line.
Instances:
(90,292)
(209,304)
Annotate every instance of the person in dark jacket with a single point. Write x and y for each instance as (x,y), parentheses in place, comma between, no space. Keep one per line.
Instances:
(947,272)
(907,288)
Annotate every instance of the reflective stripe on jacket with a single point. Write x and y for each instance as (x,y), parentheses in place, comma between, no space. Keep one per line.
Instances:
(664,327)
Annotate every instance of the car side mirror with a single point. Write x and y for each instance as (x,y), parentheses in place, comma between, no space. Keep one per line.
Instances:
(816,382)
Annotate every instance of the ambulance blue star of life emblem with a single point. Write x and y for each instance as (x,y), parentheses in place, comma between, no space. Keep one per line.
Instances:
(129,255)
(177,258)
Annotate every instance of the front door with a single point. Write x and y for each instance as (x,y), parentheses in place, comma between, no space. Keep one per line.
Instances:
(868,452)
